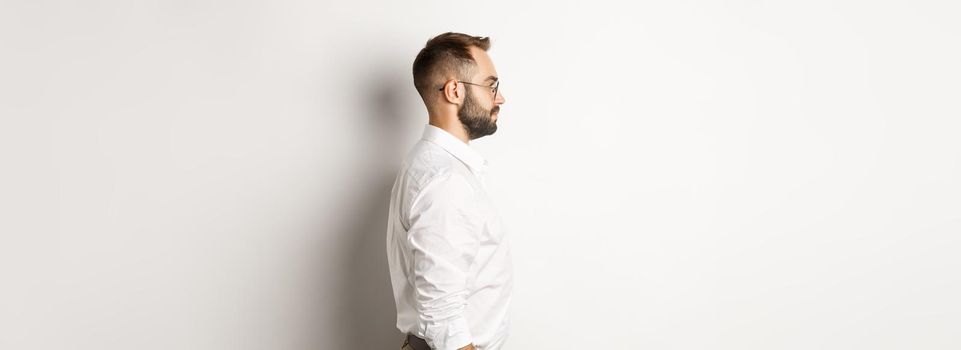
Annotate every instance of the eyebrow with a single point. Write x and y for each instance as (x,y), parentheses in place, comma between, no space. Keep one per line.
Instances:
(492,79)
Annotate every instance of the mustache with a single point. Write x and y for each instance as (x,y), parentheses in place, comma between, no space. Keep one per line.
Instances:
(496,109)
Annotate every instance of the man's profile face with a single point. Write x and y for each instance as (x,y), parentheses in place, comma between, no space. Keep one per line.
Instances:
(479,112)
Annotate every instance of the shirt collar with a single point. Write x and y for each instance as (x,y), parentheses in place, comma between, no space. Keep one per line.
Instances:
(456,147)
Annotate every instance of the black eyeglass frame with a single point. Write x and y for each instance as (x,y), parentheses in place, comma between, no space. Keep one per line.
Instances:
(494,88)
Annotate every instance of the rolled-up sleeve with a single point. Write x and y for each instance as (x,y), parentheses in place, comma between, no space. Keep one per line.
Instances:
(444,239)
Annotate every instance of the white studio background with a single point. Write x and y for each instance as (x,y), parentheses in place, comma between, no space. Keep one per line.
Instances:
(674,174)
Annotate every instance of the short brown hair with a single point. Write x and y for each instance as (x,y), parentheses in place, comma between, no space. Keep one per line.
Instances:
(448,52)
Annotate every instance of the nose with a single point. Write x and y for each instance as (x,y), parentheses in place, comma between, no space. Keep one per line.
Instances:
(499,100)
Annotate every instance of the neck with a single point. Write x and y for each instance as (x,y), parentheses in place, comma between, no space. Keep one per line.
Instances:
(452,125)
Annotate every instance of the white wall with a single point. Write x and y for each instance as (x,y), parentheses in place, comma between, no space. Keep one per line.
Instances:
(674,175)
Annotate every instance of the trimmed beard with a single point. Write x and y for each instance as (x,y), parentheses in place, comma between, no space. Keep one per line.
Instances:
(477,121)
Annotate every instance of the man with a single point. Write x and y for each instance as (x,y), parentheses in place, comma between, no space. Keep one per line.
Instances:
(450,263)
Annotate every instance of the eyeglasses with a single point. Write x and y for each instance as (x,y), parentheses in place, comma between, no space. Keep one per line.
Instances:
(493,88)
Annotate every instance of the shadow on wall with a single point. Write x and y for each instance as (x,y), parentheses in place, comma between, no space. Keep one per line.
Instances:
(365,314)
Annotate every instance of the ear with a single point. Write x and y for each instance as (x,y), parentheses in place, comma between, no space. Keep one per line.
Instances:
(453,91)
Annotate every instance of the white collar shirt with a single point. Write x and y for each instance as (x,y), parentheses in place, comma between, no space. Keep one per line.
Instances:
(449,258)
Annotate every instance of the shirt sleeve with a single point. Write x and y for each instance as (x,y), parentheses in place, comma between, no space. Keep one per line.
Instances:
(444,239)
